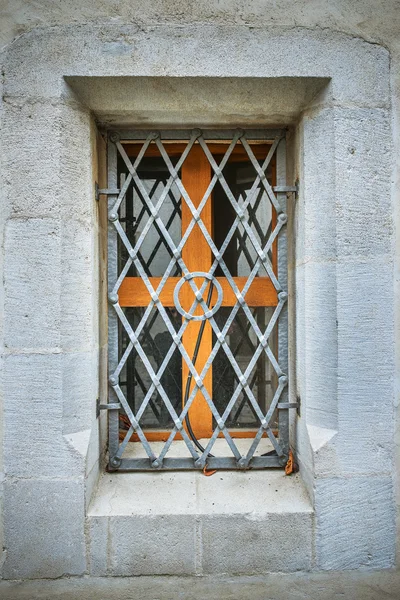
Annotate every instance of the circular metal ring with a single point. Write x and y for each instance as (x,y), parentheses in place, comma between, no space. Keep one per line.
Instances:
(209,313)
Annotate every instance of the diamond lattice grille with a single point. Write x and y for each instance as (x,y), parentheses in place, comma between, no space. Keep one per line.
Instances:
(197,292)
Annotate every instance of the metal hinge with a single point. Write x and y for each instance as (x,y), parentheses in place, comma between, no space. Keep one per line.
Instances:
(113,406)
(104,191)
(289,405)
(284,405)
(287,188)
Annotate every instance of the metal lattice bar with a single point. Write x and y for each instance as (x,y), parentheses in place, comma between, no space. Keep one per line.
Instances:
(267,135)
(243,380)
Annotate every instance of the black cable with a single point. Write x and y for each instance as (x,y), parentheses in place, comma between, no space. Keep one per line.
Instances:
(190,376)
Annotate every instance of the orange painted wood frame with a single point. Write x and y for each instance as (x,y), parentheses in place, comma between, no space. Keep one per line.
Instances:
(196,175)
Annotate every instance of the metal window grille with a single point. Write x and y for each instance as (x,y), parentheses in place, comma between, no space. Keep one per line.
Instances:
(133,243)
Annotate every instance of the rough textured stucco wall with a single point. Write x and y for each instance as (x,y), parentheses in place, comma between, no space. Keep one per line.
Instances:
(378,23)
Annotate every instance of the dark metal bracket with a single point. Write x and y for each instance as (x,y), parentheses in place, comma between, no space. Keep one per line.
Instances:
(104,191)
(99,407)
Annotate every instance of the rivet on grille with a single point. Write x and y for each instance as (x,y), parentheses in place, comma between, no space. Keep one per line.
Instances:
(241,462)
(220,423)
(114,137)
(282,296)
(113,381)
(283,379)
(156,464)
(240,299)
(112,216)
(282,218)
(197,133)
(113,298)
(178,424)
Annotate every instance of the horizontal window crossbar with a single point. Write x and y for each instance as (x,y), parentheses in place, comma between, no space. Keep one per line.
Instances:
(188,464)
(265,135)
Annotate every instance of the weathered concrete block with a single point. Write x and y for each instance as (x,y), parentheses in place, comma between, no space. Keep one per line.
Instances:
(319,344)
(362,79)
(360,71)
(76,175)
(316,236)
(92,476)
(363,156)
(80,287)
(255,543)
(33,419)
(152,545)
(32,284)
(142,545)
(355,523)
(365,365)
(79,390)
(31,157)
(201,100)
(44,528)
(99,549)
(324,459)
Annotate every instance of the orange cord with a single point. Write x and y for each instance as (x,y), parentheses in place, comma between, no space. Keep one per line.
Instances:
(291,466)
(208,473)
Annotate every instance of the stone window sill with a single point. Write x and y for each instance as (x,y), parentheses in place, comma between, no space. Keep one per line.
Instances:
(190,492)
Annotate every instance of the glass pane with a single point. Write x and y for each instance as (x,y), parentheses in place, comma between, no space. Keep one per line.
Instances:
(262,379)
(156,341)
(240,254)
(155,253)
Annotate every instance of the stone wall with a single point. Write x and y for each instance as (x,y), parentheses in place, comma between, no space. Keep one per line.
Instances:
(64,72)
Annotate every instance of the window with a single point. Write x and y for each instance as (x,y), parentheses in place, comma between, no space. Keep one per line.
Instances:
(197,275)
